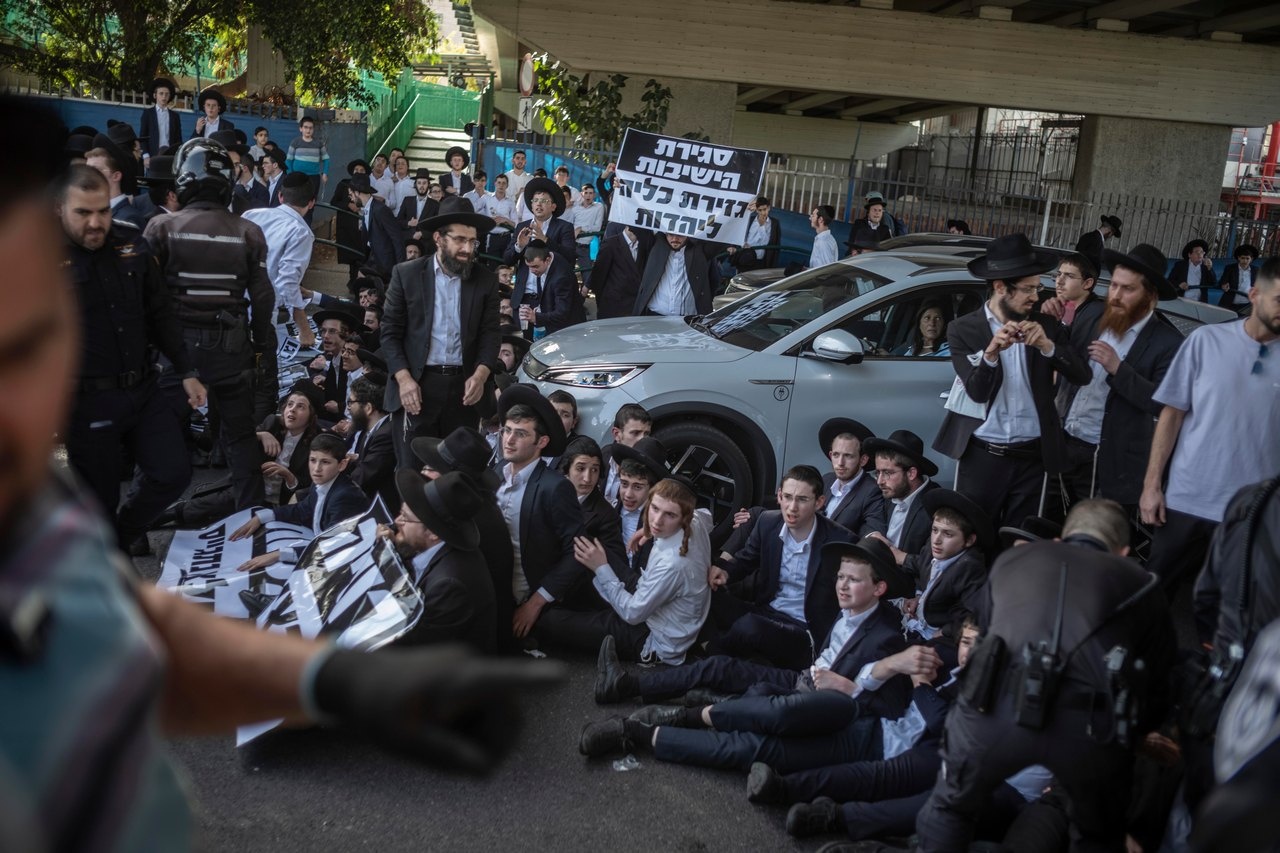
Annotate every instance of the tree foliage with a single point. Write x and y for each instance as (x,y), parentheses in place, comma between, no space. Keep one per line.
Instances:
(593,112)
(86,44)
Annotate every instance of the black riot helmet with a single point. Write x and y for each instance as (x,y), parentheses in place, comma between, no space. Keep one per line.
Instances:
(203,167)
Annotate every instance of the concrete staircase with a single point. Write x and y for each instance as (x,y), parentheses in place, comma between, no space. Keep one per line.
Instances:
(428,145)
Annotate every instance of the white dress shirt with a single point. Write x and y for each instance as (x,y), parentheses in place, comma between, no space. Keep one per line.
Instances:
(673,297)
(446,319)
(898,516)
(403,189)
(589,219)
(1011,414)
(1084,418)
(793,573)
(824,250)
(758,234)
(479,202)
(384,187)
(162,128)
(289,244)
(503,207)
(846,624)
(515,183)
(510,501)
(630,522)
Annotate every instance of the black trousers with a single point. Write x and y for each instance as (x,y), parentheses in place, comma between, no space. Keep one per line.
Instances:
(225,362)
(1007,488)
(789,733)
(140,420)
(744,629)
(1179,548)
(981,750)
(718,672)
(442,412)
(584,630)
(912,772)
(1076,483)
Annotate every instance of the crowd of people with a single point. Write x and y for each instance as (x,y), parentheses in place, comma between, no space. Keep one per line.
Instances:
(884,655)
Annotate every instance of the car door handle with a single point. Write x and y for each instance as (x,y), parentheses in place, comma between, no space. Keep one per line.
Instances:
(771,381)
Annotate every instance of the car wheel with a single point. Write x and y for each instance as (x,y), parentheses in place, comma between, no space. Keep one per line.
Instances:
(713,462)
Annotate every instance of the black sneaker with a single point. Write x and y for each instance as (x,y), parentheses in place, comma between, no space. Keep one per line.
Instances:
(764,785)
(608,672)
(660,715)
(700,697)
(604,737)
(816,818)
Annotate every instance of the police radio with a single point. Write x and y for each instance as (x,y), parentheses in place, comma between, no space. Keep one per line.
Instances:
(1038,675)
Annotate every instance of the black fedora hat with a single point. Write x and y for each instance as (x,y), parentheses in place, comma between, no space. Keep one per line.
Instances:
(215,95)
(457,149)
(124,160)
(1114,222)
(1246,249)
(878,555)
(422,174)
(159,170)
(519,343)
(456,210)
(360,183)
(1147,261)
(839,426)
(528,395)
(446,506)
(649,452)
(122,134)
(164,83)
(226,138)
(548,186)
(78,145)
(1012,257)
(1034,528)
(371,360)
(902,441)
(341,315)
(1203,244)
(935,499)
(351,167)
(310,390)
(464,450)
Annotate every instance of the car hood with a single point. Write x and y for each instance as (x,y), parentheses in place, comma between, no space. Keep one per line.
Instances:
(630,340)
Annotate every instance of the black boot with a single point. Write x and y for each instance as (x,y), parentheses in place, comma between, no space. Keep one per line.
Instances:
(816,818)
(764,785)
(604,737)
(611,678)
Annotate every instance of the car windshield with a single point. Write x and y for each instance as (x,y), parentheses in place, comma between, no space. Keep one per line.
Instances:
(756,321)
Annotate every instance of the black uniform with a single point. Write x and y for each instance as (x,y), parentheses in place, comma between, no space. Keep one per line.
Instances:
(125,311)
(210,258)
(1108,602)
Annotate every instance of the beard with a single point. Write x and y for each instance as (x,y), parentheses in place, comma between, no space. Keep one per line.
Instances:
(1117,320)
(1009,312)
(453,266)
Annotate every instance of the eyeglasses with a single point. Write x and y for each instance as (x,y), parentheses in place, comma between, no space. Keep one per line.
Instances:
(1027,289)
(460,241)
(1263,349)
(517,434)
(886,474)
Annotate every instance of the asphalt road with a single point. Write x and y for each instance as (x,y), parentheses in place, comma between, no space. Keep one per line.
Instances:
(319,790)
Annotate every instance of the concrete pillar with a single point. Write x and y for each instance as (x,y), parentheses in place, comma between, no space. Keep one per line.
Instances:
(697,106)
(1160,159)
(264,66)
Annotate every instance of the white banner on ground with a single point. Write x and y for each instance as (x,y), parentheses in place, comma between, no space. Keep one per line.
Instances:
(677,186)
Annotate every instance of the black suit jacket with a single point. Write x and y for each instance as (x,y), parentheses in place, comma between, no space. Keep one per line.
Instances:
(876,638)
(224,123)
(299,465)
(409,210)
(458,602)
(602,521)
(560,240)
(345,500)
(1208,279)
(550,518)
(745,259)
(759,562)
(971,334)
(915,530)
(386,239)
(956,592)
(375,470)
(1231,283)
(615,277)
(466,184)
(407,317)
(863,510)
(560,305)
(495,548)
(699,264)
(1129,414)
(149,130)
(1090,245)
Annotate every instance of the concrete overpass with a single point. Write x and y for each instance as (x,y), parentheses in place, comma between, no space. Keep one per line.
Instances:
(1161,82)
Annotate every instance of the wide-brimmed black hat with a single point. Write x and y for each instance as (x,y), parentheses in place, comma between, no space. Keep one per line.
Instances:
(838,426)
(1012,257)
(422,174)
(649,452)
(902,441)
(528,395)
(371,360)
(78,145)
(360,183)
(163,83)
(446,505)
(216,95)
(548,186)
(226,138)
(935,499)
(519,343)
(464,450)
(159,170)
(123,157)
(351,167)
(1146,260)
(1203,244)
(1114,222)
(457,149)
(456,210)
(1247,249)
(1034,528)
(348,317)
(878,555)
(310,390)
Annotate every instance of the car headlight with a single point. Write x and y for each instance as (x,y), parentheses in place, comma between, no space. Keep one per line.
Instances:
(604,376)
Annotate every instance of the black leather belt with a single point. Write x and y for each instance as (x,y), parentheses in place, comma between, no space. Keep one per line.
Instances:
(1020,450)
(119,382)
(443,369)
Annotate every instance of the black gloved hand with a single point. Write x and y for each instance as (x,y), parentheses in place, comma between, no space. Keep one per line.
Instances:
(445,704)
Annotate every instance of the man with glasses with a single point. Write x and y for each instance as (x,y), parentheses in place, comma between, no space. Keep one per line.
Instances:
(439,331)
(902,472)
(1216,432)
(546,204)
(1006,356)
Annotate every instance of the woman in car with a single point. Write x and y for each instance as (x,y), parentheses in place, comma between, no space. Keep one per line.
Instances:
(930,336)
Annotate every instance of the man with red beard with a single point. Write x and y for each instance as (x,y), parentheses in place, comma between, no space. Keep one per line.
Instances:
(1109,421)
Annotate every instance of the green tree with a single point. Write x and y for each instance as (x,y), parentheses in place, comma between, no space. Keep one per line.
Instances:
(593,113)
(85,44)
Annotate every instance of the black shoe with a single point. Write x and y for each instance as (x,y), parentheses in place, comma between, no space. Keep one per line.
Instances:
(255,602)
(659,715)
(700,697)
(140,547)
(816,818)
(172,515)
(608,672)
(764,785)
(604,737)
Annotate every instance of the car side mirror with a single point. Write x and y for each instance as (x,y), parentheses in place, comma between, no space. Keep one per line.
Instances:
(838,345)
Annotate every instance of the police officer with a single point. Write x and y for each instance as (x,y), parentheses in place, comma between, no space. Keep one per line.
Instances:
(124,308)
(210,258)
(1071,674)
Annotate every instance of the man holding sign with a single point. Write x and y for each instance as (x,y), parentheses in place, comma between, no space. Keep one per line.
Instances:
(679,278)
